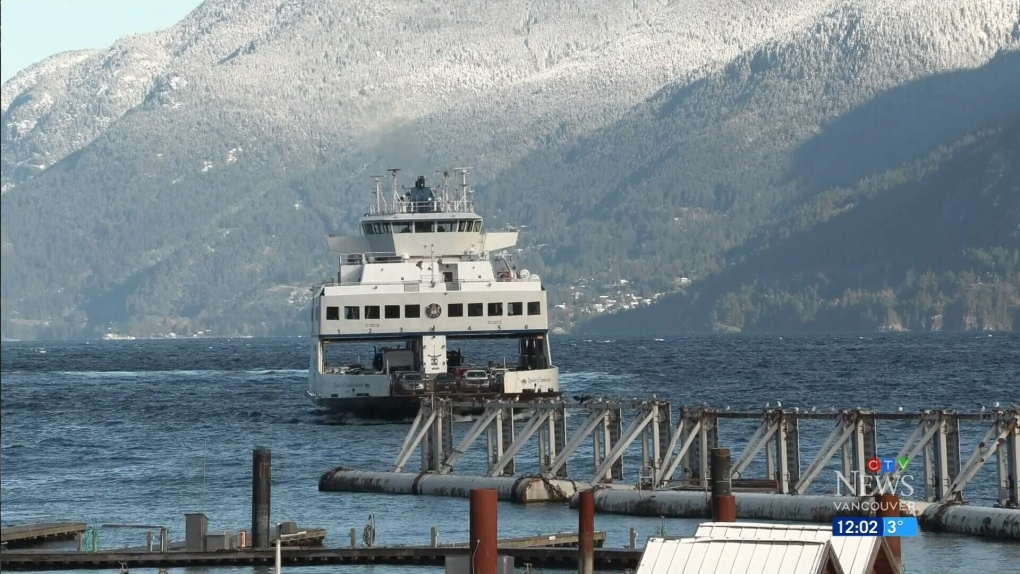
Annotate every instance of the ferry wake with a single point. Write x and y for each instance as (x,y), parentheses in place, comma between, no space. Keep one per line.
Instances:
(421,276)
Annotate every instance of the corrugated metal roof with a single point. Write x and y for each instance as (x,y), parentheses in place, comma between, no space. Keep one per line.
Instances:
(737,556)
(856,554)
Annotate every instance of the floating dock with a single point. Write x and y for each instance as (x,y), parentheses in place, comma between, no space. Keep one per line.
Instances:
(616,559)
(749,505)
(674,447)
(33,534)
(523,489)
(676,456)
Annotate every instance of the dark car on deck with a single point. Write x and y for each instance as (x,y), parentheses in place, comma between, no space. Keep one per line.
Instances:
(444,383)
(410,382)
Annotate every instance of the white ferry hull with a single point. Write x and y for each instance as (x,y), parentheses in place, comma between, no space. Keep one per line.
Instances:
(369,397)
(422,275)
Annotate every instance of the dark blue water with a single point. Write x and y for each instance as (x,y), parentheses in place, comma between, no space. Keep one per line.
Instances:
(140,432)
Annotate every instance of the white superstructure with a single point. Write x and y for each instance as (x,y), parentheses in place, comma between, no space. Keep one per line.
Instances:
(422,273)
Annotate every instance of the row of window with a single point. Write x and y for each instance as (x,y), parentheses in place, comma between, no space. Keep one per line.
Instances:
(448,226)
(513,309)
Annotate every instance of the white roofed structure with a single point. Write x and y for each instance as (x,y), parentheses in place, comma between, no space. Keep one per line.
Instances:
(856,554)
(738,556)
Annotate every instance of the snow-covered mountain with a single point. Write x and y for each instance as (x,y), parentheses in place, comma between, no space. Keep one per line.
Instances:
(185,178)
(358,68)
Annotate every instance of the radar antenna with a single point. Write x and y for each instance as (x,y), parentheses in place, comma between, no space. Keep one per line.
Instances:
(396,197)
(463,171)
(378,192)
(446,185)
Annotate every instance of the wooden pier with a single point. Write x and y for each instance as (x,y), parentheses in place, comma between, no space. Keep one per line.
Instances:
(32,534)
(308,537)
(559,540)
(616,559)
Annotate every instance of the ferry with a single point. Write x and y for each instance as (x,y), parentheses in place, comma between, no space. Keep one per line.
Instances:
(423,277)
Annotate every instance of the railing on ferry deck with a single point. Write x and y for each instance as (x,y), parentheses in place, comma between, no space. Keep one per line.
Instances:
(370,257)
(410,286)
(435,206)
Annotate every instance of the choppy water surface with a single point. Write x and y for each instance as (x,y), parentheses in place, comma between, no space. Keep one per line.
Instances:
(140,432)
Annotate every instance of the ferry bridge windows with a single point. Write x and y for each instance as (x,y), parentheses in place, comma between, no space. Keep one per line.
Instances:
(412,311)
(515,308)
(468,225)
(449,226)
(392,311)
(474,309)
(376,228)
(332,313)
(455,310)
(352,312)
(371,311)
(495,309)
(447,276)
(534,308)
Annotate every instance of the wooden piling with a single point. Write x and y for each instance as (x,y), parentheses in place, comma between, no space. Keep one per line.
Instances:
(483,540)
(261,479)
(889,507)
(586,533)
(724,505)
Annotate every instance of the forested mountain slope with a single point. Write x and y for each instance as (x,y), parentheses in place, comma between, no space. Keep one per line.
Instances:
(931,245)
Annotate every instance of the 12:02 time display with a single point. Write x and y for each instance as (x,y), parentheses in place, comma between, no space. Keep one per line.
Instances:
(856,526)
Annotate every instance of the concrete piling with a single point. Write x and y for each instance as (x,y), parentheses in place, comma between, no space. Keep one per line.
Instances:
(434,537)
(724,505)
(586,533)
(633,536)
(354,537)
(483,541)
(261,479)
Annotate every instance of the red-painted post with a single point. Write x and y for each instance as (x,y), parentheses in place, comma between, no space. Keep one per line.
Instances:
(483,541)
(586,533)
(724,505)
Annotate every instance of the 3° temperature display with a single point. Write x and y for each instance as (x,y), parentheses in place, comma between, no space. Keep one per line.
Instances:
(873,526)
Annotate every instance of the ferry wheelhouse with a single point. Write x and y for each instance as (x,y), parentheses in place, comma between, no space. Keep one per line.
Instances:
(422,276)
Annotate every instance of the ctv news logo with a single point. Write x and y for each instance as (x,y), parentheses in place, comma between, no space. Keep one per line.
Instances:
(883,476)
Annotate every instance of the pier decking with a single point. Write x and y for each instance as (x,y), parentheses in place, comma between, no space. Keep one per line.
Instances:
(559,540)
(28,534)
(616,559)
(309,537)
